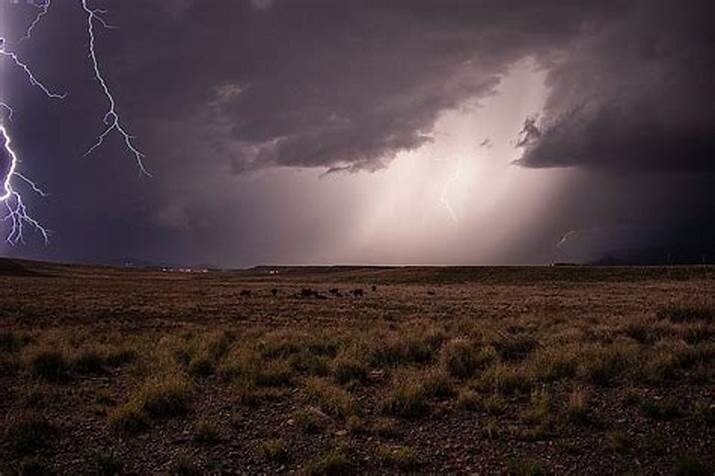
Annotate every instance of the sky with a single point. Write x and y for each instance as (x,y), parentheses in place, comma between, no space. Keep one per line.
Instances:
(366,132)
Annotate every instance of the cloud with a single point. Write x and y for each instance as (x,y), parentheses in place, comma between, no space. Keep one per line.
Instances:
(348,85)
(631,95)
(261,4)
(217,91)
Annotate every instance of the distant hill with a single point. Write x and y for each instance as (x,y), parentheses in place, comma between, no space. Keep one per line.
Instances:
(10,267)
(657,256)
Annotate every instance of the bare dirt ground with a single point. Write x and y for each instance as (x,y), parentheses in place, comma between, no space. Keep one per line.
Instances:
(572,370)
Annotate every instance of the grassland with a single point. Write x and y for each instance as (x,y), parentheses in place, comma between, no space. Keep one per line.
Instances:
(465,370)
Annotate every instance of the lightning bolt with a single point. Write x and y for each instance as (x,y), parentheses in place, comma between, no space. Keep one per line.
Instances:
(566,238)
(10,197)
(112,120)
(455,178)
(17,214)
(28,72)
(43,7)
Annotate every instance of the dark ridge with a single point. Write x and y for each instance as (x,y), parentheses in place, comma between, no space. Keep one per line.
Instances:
(10,267)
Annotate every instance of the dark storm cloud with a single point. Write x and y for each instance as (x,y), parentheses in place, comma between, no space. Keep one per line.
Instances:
(635,93)
(347,85)
(216,89)
(330,84)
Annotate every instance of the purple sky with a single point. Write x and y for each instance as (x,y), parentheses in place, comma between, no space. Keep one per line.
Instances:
(381,132)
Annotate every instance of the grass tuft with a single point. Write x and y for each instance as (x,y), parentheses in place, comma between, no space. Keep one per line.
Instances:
(108,463)
(692,466)
(49,365)
(348,367)
(525,467)
(29,433)
(330,398)
(469,400)
(396,456)
(407,398)
(334,462)
(11,343)
(274,450)
(577,407)
(661,410)
(205,432)
(458,358)
(157,398)
(311,420)
(687,313)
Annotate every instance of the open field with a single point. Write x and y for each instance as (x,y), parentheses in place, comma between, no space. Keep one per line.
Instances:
(464,370)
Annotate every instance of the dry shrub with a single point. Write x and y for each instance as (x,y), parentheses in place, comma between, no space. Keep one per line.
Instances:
(577,406)
(540,406)
(274,450)
(165,396)
(513,346)
(525,467)
(666,359)
(506,379)
(385,427)
(311,420)
(458,358)
(551,364)
(330,398)
(89,360)
(687,313)
(48,364)
(284,343)
(417,343)
(205,432)
(162,396)
(468,400)
(407,398)
(436,383)
(397,456)
(29,432)
(350,366)
(11,342)
(602,364)
(334,462)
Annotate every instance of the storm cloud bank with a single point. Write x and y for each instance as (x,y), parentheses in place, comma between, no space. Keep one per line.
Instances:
(349,84)
(216,91)
(636,93)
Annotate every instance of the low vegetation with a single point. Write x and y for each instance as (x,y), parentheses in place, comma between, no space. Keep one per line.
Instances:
(393,379)
(29,433)
(332,463)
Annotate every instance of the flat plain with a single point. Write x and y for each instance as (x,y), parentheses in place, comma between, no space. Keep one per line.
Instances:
(332,370)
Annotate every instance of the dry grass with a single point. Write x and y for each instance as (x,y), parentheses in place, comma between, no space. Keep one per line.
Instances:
(48,364)
(350,366)
(205,432)
(29,432)
(334,462)
(458,357)
(274,450)
(407,397)
(310,420)
(399,457)
(332,399)
(159,397)
(398,379)
(577,408)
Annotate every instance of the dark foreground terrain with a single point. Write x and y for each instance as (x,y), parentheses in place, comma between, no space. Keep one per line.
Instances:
(334,370)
